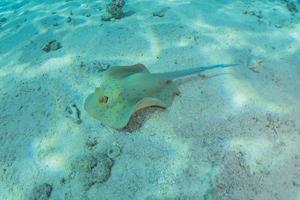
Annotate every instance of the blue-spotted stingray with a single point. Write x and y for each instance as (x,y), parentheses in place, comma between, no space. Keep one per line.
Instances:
(126,89)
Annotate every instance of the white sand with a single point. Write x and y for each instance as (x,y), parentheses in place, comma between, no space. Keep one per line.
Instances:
(232,135)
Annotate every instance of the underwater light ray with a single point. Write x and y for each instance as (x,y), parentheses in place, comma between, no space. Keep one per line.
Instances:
(52,64)
(52,151)
(242,94)
(41,153)
(255,151)
(152,38)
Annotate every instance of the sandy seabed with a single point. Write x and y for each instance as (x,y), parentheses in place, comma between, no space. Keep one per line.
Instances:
(231,134)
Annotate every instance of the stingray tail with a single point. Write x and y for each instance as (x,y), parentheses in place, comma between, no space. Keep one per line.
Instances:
(178,74)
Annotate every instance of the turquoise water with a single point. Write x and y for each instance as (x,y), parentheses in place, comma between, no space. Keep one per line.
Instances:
(228,134)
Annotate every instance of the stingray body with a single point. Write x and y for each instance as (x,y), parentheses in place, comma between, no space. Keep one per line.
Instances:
(126,89)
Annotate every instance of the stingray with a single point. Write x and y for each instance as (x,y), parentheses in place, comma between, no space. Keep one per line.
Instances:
(126,89)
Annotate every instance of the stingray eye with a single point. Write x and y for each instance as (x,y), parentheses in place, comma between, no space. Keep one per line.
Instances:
(103,99)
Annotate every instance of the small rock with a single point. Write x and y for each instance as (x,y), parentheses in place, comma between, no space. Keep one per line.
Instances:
(3,19)
(52,46)
(296,184)
(73,113)
(93,169)
(100,173)
(42,192)
(106,18)
(94,66)
(257,14)
(161,12)
(69,19)
(291,7)
(120,3)
(91,142)
(114,151)
(115,9)
(62,181)
(256,65)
